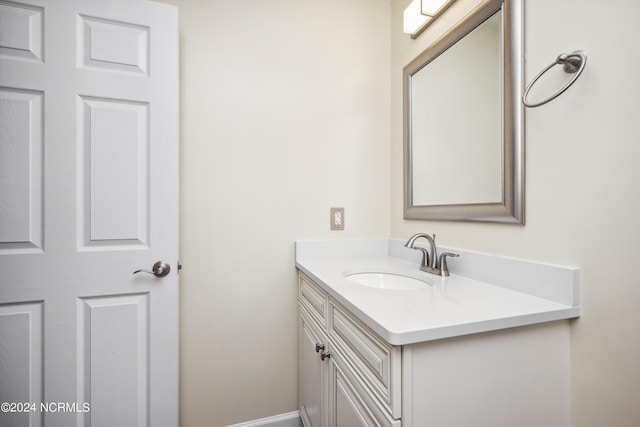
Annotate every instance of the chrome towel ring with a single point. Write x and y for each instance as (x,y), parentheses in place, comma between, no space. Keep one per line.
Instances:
(573,63)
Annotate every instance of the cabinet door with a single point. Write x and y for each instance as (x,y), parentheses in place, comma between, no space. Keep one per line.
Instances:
(376,363)
(351,405)
(312,372)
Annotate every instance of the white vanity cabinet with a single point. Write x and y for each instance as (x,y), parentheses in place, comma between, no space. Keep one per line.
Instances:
(514,377)
(348,376)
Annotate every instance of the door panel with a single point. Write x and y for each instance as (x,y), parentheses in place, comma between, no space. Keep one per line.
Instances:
(114,152)
(21,353)
(88,194)
(113,45)
(113,339)
(22,35)
(21,170)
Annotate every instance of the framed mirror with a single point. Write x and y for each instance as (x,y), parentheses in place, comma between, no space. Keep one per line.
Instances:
(464,122)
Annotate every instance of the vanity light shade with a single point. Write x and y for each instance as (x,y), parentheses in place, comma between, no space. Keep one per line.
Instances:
(432,7)
(420,13)
(412,18)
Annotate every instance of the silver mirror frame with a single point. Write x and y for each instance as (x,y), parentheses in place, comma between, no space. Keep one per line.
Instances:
(511,209)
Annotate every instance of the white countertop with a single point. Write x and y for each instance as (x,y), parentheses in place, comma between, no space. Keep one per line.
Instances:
(451,306)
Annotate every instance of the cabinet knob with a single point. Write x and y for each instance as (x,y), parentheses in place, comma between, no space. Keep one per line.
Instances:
(325,355)
(319,347)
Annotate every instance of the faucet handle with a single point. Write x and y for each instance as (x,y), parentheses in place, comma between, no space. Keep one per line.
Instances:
(425,256)
(444,270)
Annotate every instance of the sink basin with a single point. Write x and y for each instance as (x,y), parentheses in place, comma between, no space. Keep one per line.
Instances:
(390,279)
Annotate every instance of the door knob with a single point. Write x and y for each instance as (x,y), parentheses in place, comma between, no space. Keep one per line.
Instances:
(160,269)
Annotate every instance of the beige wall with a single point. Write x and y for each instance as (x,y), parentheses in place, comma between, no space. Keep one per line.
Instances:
(583,204)
(285,109)
(290,107)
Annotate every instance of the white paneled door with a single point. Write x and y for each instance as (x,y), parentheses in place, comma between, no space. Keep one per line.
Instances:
(88,195)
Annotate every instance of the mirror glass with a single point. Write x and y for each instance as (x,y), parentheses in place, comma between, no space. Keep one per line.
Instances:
(463,136)
(456,116)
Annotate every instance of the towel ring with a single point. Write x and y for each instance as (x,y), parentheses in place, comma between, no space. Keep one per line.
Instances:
(573,62)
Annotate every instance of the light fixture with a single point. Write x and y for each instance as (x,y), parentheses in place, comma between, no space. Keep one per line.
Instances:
(420,13)
(412,18)
(432,7)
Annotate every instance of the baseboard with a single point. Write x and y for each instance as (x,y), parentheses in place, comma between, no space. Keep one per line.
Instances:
(290,419)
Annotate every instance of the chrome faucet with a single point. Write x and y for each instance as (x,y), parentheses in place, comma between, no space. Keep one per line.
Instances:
(431,263)
(428,257)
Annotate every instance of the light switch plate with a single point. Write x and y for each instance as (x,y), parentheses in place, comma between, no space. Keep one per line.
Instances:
(337,219)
